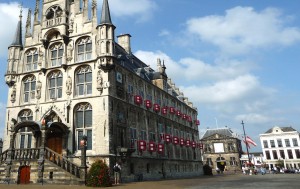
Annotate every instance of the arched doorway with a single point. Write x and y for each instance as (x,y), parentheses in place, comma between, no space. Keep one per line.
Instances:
(55,139)
(24,174)
(221,163)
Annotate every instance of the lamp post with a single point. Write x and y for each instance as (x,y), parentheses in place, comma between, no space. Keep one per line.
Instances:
(246,142)
(83,145)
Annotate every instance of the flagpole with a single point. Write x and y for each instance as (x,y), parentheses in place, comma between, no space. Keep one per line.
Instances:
(246,142)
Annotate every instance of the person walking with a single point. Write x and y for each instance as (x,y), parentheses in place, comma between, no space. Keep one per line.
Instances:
(117,170)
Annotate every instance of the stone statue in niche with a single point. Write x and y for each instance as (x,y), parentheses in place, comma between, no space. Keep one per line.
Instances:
(41,57)
(13,94)
(69,86)
(100,81)
(70,49)
(38,89)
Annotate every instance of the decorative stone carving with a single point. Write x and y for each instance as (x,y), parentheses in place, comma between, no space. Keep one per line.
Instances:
(38,89)
(100,81)
(69,86)
(13,94)
(41,57)
(70,49)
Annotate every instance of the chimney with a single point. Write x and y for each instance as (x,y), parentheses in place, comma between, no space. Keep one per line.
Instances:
(124,41)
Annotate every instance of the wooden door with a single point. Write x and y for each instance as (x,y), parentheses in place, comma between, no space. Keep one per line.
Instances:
(25,175)
(55,144)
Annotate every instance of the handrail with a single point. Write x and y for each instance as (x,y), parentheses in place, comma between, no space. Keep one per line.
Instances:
(3,156)
(62,162)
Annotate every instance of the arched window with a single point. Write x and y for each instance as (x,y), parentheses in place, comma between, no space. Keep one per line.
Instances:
(55,80)
(25,115)
(31,60)
(84,49)
(29,89)
(25,134)
(83,124)
(83,81)
(56,54)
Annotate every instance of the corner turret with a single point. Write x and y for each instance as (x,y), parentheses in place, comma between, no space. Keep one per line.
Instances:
(106,33)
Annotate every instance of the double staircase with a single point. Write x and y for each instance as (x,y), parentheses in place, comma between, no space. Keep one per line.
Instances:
(56,169)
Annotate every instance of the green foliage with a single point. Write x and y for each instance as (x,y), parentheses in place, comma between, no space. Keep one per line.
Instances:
(98,175)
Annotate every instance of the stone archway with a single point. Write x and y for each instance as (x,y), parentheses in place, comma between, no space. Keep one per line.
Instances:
(221,163)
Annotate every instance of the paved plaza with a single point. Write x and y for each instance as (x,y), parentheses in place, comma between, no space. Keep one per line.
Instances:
(226,181)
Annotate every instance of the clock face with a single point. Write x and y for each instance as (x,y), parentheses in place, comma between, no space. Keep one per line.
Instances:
(119,77)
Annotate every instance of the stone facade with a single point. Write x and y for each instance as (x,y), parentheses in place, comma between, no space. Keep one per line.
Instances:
(72,79)
(222,148)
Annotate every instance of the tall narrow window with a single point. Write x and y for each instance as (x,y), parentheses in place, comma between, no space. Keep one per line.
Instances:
(25,134)
(266,144)
(295,142)
(133,138)
(268,156)
(290,154)
(84,49)
(275,156)
(282,155)
(55,85)
(279,142)
(83,124)
(29,89)
(31,60)
(272,142)
(56,54)
(84,81)
(287,143)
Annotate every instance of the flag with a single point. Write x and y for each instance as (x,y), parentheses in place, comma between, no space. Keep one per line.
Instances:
(247,145)
(250,141)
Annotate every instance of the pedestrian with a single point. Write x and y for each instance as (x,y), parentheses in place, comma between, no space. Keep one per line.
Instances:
(117,170)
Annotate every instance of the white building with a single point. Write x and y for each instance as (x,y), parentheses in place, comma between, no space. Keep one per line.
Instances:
(281,144)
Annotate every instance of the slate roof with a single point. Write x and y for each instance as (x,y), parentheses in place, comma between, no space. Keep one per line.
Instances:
(284,129)
(105,14)
(219,131)
(18,35)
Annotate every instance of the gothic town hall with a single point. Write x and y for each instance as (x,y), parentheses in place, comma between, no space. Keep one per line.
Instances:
(74,85)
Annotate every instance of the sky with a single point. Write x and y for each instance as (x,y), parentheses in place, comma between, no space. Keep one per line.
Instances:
(234,59)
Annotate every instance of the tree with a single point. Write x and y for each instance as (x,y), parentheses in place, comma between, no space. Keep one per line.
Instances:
(98,175)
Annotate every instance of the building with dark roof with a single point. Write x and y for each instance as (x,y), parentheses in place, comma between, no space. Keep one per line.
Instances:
(71,85)
(221,148)
(281,148)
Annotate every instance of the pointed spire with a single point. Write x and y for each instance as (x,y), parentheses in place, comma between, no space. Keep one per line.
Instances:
(36,12)
(18,36)
(105,14)
(28,24)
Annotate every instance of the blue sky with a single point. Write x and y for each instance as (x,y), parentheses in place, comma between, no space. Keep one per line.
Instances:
(235,59)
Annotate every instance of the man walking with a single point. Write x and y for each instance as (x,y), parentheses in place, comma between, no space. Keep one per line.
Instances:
(117,170)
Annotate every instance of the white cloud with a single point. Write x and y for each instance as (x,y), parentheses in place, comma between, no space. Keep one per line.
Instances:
(253,118)
(242,29)
(194,70)
(141,10)
(9,16)
(226,91)
(164,33)
(226,87)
